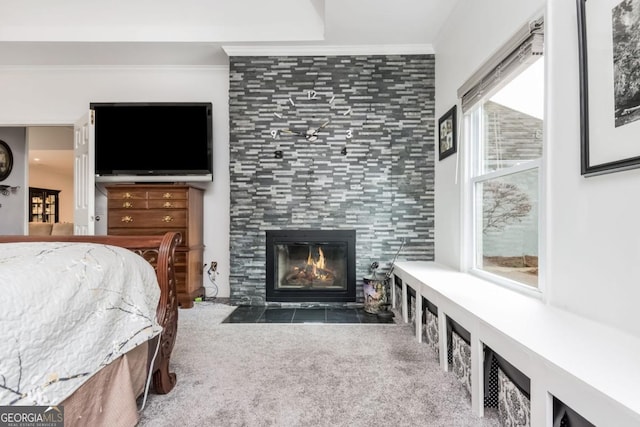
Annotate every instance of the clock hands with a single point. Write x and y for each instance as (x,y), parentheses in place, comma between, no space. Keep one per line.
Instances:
(310,135)
(293,132)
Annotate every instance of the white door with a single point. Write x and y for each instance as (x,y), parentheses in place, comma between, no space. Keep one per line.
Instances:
(84,176)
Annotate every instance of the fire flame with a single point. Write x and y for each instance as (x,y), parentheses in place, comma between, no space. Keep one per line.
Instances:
(315,272)
(317,264)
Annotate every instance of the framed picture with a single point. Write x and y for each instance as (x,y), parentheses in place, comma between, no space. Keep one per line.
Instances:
(447,138)
(609,53)
(6,160)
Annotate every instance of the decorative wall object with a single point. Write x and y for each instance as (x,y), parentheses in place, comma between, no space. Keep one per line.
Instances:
(609,51)
(447,133)
(6,160)
(371,168)
(5,190)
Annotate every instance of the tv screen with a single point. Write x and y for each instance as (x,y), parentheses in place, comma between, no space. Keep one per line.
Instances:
(153,140)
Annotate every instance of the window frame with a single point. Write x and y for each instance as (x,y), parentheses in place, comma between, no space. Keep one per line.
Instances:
(472,132)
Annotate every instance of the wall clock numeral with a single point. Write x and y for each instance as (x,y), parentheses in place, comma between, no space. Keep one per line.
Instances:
(349,134)
(312,94)
(274,133)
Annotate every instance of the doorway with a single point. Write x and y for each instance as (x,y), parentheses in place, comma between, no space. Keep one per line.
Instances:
(50,158)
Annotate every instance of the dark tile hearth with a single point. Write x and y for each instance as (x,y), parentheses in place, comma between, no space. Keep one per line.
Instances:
(302,315)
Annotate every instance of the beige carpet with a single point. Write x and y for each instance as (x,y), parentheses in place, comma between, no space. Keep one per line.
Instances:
(305,375)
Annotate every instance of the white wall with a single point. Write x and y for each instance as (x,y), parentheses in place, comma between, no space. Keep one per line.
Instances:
(594,248)
(473,32)
(61,95)
(13,207)
(592,229)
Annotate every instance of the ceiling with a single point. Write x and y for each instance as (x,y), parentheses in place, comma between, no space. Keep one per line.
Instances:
(51,149)
(205,33)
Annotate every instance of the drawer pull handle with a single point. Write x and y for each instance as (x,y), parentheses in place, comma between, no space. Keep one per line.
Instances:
(126,196)
(167,196)
(167,218)
(167,205)
(126,218)
(127,205)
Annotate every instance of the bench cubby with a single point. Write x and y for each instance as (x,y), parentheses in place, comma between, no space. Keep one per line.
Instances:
(589,366)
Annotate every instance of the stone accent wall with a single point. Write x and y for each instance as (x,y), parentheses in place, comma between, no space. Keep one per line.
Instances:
(383,187)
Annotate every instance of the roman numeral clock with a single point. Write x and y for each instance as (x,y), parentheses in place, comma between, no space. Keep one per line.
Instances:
(313,117)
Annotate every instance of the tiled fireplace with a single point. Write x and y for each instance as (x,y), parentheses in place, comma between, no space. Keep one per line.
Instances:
(383,187)
(310,266)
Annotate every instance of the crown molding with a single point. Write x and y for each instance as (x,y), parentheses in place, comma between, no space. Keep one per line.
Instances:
(329,50)
(149,67)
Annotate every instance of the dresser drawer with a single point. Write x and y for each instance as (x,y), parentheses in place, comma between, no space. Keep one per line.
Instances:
(132,231)
(180,260)
(167,194)
(147,204)
(136,218)
(127,194)
(127,204)
(166,204)
(181,281)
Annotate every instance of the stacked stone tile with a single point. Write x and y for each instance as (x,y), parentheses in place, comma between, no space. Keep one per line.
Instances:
(383,187)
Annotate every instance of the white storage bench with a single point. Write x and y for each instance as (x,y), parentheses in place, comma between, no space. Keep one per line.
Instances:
(592,368)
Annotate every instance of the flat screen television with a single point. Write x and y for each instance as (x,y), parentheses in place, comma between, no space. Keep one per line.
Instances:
(153,141)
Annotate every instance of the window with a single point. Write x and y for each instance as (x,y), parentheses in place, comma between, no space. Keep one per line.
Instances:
(503,120)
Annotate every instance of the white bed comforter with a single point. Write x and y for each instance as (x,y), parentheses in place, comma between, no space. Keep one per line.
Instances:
(67,310)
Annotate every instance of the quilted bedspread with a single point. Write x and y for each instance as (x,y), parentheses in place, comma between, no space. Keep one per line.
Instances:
(67,310)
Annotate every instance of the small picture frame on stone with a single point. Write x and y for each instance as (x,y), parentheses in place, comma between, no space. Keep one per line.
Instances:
(447,135)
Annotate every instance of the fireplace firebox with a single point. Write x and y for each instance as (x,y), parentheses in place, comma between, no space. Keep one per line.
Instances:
(310,266)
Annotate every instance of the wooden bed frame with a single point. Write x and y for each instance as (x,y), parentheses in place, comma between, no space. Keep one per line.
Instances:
(159,251)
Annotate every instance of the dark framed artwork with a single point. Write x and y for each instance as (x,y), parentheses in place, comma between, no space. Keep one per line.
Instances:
(609,54)
(447,133)
(6,160)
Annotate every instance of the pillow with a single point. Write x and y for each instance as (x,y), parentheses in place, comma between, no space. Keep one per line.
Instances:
(40,228)
(461,360)
(432,332)
(513,405)
(62,229)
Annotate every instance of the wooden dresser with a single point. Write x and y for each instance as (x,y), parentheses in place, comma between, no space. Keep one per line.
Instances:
(138,209)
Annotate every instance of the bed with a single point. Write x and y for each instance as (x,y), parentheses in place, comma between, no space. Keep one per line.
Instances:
(90,323)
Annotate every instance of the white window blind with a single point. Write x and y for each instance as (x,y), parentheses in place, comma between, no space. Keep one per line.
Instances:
(522,49)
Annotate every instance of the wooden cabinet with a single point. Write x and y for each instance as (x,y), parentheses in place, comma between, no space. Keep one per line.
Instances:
(43,205)
(137,209)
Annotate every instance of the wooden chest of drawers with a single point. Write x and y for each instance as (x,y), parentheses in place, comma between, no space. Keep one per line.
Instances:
(137,209)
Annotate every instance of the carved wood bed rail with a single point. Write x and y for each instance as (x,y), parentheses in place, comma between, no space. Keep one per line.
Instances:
(159,251)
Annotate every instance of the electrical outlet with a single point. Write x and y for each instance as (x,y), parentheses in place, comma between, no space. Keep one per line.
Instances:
(213,267)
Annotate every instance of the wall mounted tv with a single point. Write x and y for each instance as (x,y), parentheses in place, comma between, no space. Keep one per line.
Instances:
(153,141)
